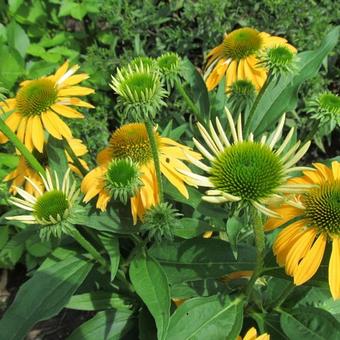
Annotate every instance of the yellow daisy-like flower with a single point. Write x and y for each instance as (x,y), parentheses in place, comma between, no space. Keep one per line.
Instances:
(39,103)
(300,247)
(23,170)
(236,57)
(246,170)
(252,335)
(131,142)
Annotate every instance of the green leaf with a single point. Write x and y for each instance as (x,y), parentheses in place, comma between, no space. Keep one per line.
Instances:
(111,245)
(151,284)
(116,219)
(309,323)
(234,226)
(56,156)
(198,259)
(11,66)
(110,325)
(211,317)
(17,38)
(44,295)
(282,96)
(14,5)
(191,227)
(270,323)
(147,327)
(97,301)
(3,235)
(36,247)
(199,92)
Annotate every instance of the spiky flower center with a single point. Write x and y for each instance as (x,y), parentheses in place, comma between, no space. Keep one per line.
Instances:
(142,61)
(168,61)
(132,141)
(244,89)
(280,55)
(330,102)
(241,43)
(248,170)
(36,97)
(323,207)
(140,83)
(51,204)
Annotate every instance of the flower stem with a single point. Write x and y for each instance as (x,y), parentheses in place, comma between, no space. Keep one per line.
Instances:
(154,150)
(193,107)
(260,246)
(312,131)
(256,102)
(74,157)
(77,236)
(21,147)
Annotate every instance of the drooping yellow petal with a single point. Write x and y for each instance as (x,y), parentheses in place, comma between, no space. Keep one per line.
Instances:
(28,133)
(334,269)
(311,262)
(75,79)
(231,74)
(49,125)
(38,134)
(22,129)
(336,170)
(61,70)
(63,129)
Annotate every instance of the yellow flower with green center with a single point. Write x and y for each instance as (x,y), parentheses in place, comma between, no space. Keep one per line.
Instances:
(131,142)
(23,170)
(247,171)
(55,208)
(236,57)
(300,247)
(252,335)
(39,104)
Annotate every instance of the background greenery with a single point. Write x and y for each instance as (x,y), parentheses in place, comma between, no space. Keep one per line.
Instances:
(38,35)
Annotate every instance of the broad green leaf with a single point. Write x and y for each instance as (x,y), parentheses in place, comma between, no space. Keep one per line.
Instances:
(17,38)
(3,235)
(36,247)
(198,90)
(214,317)
(108,325)
(14,5)
(191,227)
(270,323)
(111,245)
(310,323)
(198,259)
(97,301)
(11,66)
(282,96)
(44,295)
(151,284)
(116,219)
(56,156)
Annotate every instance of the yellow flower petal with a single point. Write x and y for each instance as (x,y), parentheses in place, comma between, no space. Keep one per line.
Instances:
(63,129)
(66,111)
(75,91)
(334,269)
(336,170)
(49,125)
(61,70)
(28,133)
(311,262)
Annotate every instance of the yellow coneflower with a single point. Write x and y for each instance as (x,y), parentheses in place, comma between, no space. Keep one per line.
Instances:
(23,171)
(131,142)
(39,103)
(252,335)
(300,247)
(236,57)
(246,170)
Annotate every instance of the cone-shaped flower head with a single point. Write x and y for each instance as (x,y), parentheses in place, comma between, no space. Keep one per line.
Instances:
(246,171)
(39,104)
(56,209)
(301,246)
(131,141)
(169,65)
(140,91)
(236,57)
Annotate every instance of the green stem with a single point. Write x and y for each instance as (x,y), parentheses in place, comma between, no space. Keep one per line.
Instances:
(74,158)
(283,296)
(154,150)
(256,102)
(88,247)
(21,147)
(260,247)
(193,107)
(312,132)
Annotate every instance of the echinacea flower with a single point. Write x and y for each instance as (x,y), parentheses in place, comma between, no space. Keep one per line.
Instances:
(169,65)
(300,247)
(236,57)
(252,335)
(23,170)
(55,209)
(131,142)
(39,104)
(246,170)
